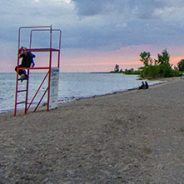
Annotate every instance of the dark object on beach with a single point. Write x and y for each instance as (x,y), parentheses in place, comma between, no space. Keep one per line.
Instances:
(144,85)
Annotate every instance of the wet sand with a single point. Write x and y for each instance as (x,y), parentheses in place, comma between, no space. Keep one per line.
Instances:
(130,137)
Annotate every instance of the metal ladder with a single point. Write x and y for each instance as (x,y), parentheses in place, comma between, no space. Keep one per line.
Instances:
(18,91)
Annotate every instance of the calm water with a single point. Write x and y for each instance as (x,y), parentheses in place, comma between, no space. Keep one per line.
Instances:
(71,86)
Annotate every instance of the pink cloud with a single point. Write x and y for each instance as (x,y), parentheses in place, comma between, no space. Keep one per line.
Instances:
(99,60)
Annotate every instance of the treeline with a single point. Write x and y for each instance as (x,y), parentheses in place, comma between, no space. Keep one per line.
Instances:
(154,68)
(131,71)
(159,67)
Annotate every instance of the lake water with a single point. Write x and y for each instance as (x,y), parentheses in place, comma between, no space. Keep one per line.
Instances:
(71,86)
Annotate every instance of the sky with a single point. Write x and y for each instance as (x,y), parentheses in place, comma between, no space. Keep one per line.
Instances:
(96,34)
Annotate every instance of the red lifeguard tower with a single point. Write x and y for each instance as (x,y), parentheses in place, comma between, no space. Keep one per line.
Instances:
(51,68)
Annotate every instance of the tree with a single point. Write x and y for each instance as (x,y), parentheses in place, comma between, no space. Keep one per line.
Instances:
(164,57)
(146,58)
(165,67)
(181,65)
(116,68)
(158,67)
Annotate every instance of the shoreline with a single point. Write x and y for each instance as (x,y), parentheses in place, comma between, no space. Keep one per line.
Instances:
(69,93)
(20,112)
(161,81)
(60,102)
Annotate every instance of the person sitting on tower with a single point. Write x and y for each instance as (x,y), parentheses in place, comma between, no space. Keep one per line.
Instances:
(27,62)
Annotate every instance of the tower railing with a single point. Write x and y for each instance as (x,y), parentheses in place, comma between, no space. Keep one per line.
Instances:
(50,50)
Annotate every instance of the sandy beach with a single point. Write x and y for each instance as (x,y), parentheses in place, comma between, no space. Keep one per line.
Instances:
(129,137)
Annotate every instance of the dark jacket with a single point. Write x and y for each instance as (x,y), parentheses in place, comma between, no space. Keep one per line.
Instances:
(27,59)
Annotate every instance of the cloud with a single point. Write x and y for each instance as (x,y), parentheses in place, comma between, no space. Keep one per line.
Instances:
(102,25)
(115,23)
(171,13)
(105,24)
(127,9)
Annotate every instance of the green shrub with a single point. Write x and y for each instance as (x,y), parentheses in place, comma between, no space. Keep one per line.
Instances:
(150,72)
(165,70)
(131,72)
(181,65)
(157,71)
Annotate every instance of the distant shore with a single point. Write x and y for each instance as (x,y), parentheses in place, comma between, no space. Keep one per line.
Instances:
(131,137)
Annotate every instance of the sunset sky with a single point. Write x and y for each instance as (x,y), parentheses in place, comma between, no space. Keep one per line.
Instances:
(97,34)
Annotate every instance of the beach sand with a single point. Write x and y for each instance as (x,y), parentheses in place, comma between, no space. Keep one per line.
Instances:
(130,137)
